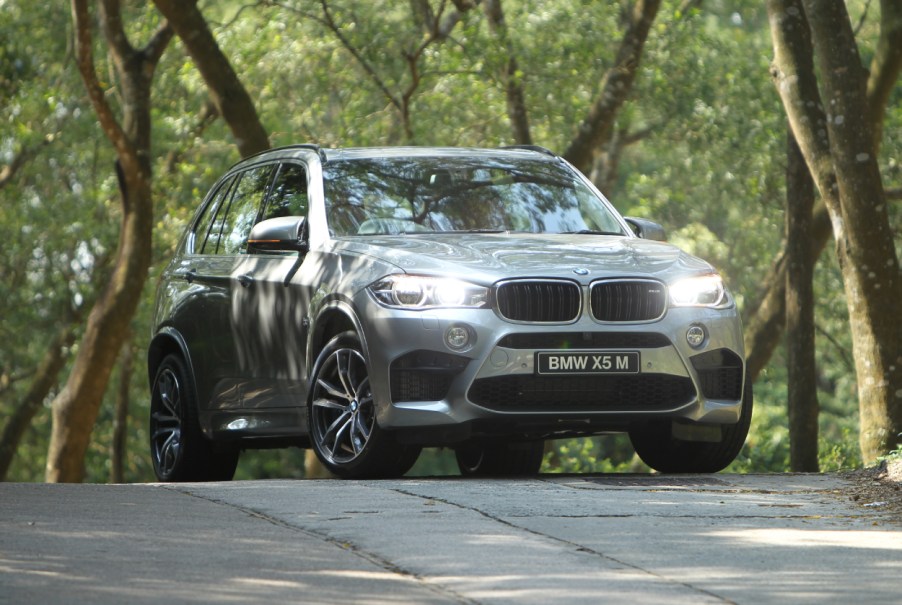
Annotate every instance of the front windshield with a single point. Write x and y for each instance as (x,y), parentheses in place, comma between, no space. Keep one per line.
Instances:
(376,196)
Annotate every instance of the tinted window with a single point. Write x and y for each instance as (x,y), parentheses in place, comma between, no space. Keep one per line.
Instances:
(203,230)
(289,193)
(436,194)
(243,209)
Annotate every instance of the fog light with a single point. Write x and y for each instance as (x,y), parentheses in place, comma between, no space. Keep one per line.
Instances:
(457,337)
(696,336)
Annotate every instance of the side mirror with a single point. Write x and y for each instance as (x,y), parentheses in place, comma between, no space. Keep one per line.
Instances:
(646,229)
(282,234)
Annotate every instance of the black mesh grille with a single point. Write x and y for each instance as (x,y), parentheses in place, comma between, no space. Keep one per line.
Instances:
(628,300)
(424,375)
(585,340)
(719,374)
(540,301)
(531,393)
(409,385)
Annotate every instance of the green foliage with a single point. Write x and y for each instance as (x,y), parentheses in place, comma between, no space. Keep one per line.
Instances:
(709,166)
(287,463)
(894,455)
(435,462)
(605,454)
(840,454)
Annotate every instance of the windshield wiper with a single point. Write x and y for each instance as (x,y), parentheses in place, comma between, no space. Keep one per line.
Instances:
(591,232)
(476,231)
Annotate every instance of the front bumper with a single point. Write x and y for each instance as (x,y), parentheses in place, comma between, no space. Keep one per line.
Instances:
(435,394)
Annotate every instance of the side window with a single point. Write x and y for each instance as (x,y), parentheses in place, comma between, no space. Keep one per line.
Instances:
(289,193)
(202,231)
(246,201)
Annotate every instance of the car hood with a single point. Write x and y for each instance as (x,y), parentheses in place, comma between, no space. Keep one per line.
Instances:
(486,258)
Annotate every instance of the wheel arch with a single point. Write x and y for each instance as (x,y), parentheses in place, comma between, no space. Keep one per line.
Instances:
(166,342)
(332,320)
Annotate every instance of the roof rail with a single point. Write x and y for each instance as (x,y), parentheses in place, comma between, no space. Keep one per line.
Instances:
(311,146)
(319,150)
(537,148)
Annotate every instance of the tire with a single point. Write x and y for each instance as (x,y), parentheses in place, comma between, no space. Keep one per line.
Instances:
(341,414)
(658,449)
(477,459)
(178,448)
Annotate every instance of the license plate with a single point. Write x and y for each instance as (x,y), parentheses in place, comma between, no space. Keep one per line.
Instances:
(587,362)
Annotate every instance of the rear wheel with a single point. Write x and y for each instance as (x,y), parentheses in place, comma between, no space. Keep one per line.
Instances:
(178,448)
(478,459)
(344,431)
(656,446)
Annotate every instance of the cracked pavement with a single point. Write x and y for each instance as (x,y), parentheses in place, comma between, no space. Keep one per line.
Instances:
(584,539)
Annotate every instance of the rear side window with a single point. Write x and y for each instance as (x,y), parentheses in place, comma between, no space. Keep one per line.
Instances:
(243,210)
(203,244)
(289,193)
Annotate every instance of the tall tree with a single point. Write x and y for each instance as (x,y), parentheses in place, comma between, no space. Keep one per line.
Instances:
(802,397)
(228,94)
(45,379)
(436,27)
(766,316)
(512,76)
(597,127)
(76,407)
(838,146)
(120,415)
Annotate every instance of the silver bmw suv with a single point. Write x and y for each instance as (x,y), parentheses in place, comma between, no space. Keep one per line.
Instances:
(369,302)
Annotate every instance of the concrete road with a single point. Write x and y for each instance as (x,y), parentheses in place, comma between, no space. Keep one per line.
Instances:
(587,539)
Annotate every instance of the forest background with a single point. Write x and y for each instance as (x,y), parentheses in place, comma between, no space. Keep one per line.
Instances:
(696,139)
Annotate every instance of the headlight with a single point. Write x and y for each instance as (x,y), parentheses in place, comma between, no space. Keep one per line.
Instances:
(420,292)
(701,291)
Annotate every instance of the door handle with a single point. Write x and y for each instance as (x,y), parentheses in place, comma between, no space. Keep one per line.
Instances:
(245,280)
(188,275)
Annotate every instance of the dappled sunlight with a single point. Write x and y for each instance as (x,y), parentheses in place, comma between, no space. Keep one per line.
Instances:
(360,574)
(620,585)
(805,538)
(41,568)
(269,583)
(498,540)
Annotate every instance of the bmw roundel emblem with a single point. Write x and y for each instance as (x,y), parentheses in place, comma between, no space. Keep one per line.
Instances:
(581,271)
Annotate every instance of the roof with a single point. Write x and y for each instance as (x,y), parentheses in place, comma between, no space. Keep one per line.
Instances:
(396,152)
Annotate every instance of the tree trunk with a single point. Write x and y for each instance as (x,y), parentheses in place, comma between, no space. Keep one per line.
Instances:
(595,130)
(76,407)
(231,99)
(840,152)
(513,78)
(120,416)
(45,379)
(765,319)
(20,159)
(865,242)
(313,468)
(802,375)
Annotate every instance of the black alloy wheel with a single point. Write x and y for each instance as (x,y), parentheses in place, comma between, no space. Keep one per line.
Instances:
(655,445)
(178,448)
(344,431)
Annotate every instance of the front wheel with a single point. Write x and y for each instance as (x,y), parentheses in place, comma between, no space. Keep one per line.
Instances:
(477,459)
(344,431)
(657,448)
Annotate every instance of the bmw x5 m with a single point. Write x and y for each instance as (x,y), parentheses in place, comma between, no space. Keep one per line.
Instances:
(369,302)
